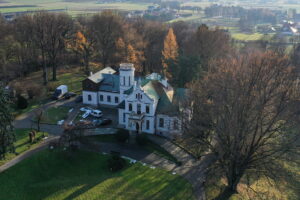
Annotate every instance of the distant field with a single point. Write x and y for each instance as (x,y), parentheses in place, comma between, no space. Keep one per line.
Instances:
(72,7)
(247,37)
(247,4)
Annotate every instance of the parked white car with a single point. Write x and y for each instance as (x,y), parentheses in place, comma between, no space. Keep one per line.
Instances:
(86,114)
(60,92)
(96,113)
(85,109)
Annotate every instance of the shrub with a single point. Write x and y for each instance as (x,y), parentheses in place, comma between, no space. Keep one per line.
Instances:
(18,87)
(33,90)
(122,135)
(21,102)
(52,86)
(141,139)
(116,163)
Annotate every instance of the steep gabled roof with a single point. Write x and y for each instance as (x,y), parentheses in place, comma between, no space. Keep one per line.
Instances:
(98,76)
(110,83)
(153,89)
(171,106)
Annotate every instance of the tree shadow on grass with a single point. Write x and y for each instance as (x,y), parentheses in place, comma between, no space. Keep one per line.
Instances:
(64,175)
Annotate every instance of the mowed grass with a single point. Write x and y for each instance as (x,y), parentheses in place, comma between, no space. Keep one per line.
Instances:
(22,143)
(84,175)
(55,114)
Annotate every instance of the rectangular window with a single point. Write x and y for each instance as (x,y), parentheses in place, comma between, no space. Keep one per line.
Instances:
(161,122)
(147,124)
(123,80)
(175,125)
(116,99)
(101,97)
(129,81)
(90,97)
(130,107)
(147,109)
(108,99)
(124,117)
(139,108)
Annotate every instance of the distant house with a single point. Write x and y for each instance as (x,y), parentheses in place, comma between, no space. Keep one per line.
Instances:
(290,28)
(145,104)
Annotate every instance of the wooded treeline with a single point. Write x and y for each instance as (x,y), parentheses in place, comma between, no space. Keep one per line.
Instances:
(244,104)
(47,41)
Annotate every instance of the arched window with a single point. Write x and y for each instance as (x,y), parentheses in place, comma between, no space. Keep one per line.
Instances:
(130,107)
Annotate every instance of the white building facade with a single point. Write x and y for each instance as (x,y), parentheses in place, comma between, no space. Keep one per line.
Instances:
(145,104)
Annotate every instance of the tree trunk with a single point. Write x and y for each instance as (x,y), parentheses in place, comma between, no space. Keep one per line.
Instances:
(45,76)
(226,194)
(231,189)
(86,65)
(54,71)
(38,125)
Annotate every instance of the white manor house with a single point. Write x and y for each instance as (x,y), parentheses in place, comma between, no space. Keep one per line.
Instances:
(145,104)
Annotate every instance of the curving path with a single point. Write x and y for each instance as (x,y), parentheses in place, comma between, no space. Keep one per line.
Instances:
(28,153)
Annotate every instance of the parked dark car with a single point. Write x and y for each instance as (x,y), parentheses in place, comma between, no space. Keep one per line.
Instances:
(78,99)
(102,122)
(106,122)
(68,95)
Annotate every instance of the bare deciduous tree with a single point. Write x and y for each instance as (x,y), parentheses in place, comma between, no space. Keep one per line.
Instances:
(38,117)
(106,28)
(243,112)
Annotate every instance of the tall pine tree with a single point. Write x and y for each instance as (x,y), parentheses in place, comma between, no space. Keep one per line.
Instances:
(170,52)
(7,136)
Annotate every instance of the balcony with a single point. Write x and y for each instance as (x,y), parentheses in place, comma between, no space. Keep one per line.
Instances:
(135,116)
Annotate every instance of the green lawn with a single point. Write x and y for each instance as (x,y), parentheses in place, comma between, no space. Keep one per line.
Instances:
(72,78)
(55,114)
(83,175)
(150,146)
(22,143)
(32,104)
